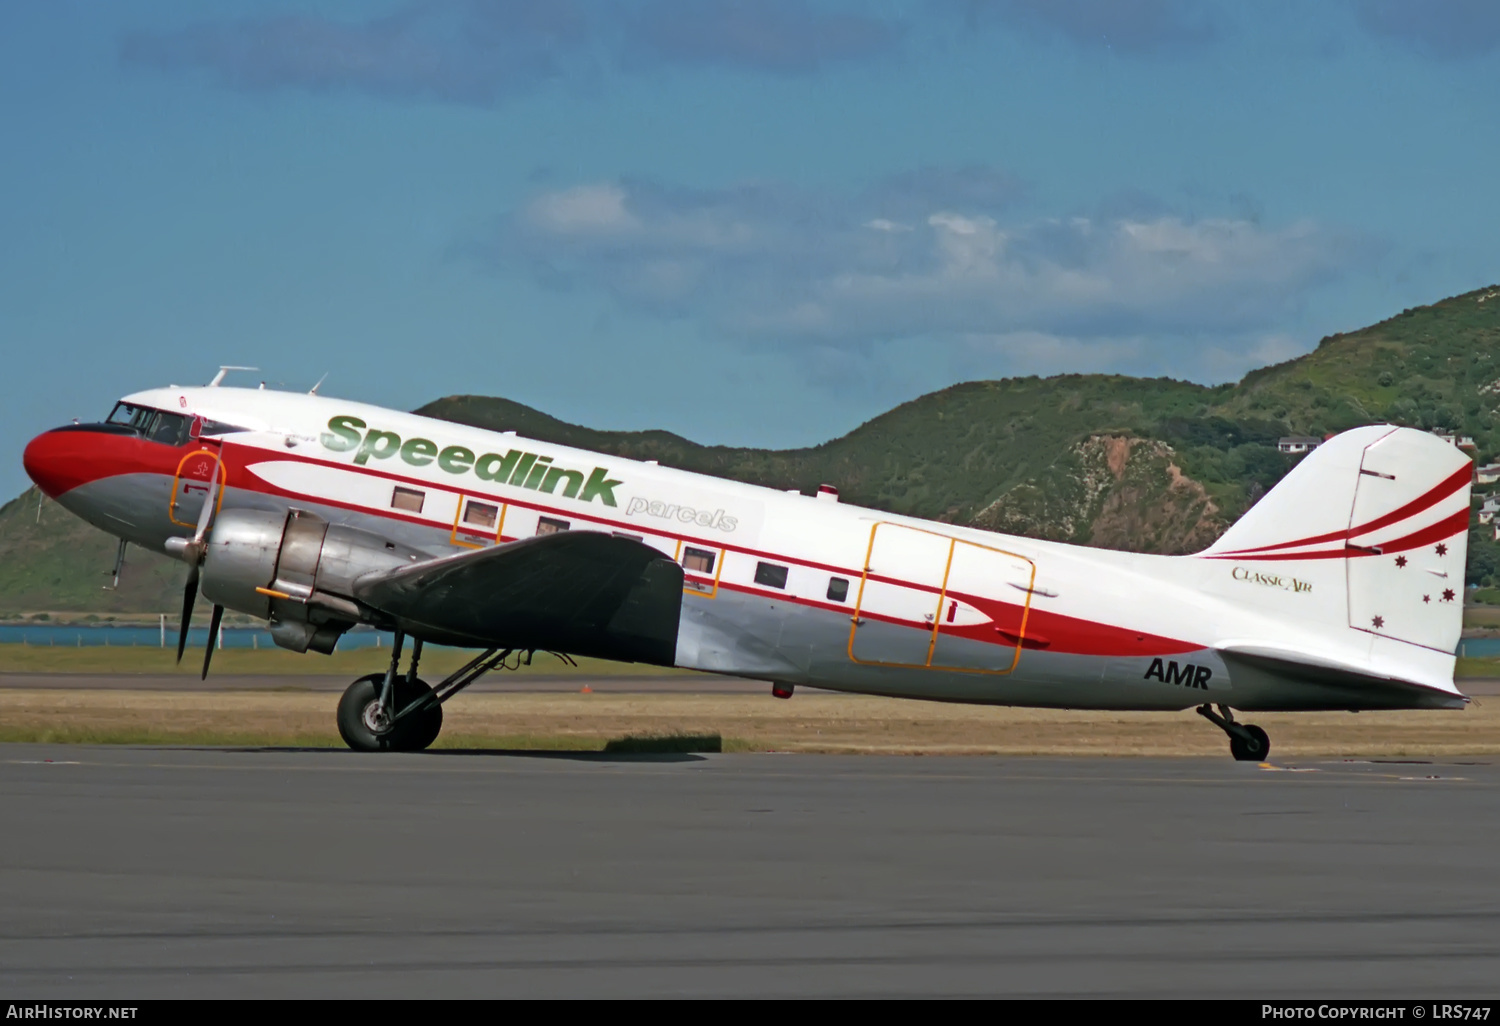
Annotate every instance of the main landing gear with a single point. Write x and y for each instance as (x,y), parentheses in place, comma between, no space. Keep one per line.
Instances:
(1247,742)
(391,712)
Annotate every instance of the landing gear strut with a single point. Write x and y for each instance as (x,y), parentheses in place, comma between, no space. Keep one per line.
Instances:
(1247,742)
(389,712)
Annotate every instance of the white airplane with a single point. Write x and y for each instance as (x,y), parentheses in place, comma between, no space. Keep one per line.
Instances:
(1340,589)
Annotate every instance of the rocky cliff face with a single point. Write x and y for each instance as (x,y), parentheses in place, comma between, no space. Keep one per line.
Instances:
(1113,492)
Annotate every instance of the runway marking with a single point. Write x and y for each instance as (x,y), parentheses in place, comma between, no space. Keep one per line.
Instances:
(44,762)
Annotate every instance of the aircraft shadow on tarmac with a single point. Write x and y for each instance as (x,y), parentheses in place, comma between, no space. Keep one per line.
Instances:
(528,753)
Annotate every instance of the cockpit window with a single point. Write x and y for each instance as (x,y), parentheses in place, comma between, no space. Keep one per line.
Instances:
(155,425)
(138,417)
(169,429)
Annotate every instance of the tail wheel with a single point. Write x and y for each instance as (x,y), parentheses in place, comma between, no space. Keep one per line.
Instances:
(1253,745)
(363,729)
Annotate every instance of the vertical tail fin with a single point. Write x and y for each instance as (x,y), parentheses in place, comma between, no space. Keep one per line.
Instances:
(1373,527)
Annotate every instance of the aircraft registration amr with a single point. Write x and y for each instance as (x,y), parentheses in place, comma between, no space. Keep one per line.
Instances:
(1340,589)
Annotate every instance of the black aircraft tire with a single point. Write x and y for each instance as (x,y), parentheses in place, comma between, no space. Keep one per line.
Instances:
(421,730)
(413,734)
(1255,748)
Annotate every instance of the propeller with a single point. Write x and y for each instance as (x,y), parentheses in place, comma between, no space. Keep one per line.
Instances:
(213,636)
(189,596)
(192,552)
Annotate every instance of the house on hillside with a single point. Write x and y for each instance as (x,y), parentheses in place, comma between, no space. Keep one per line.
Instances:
(1296,444)
(1488,510)
(1487,474)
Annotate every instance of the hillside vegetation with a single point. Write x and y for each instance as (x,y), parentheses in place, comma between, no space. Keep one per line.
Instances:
(50,561)
(1152,465)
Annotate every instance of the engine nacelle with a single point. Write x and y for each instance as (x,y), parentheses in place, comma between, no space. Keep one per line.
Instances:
(295,570)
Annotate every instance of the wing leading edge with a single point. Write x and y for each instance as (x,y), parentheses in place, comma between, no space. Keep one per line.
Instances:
(581,592)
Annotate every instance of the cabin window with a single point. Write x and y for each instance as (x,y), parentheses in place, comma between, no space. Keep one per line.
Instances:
(550,525)
(699,561)
(771,575)
(408,499)
(481,514)
(838,589)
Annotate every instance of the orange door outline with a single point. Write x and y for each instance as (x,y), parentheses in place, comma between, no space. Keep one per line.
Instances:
(937,619)
(692,589)
(458,516)
(177,483)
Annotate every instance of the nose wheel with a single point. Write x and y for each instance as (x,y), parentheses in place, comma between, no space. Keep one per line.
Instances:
(1247,742)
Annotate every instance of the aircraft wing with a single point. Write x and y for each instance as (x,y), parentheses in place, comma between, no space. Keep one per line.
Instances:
(581,592)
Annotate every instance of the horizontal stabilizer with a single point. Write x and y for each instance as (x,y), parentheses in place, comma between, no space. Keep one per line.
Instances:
(1325,681)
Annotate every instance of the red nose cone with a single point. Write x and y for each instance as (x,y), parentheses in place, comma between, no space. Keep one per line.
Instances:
(58,461)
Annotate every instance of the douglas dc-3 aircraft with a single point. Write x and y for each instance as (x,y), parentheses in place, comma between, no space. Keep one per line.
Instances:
(1340,589)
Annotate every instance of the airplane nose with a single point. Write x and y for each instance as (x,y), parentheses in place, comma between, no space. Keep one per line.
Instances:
(51,460)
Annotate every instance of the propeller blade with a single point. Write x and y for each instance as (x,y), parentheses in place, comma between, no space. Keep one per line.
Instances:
(213,636)
(189,596)
(207,513)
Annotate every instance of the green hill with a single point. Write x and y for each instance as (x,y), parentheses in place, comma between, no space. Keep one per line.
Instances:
(50,561)
(1147,464)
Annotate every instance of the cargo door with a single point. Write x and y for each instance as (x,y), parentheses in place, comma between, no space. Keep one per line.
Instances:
(905,615)
(986,605)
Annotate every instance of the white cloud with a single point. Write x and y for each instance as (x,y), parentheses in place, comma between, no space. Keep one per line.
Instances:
(581,210)
(938,257)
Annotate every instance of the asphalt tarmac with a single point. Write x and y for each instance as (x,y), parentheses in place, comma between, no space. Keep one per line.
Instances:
(131,872)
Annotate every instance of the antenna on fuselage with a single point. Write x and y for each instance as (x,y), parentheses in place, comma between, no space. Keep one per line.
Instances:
(314,389)
(223,370)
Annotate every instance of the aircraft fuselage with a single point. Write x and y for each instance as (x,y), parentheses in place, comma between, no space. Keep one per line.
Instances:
(783,587)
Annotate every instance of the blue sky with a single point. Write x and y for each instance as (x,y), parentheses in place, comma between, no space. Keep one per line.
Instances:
(754,223)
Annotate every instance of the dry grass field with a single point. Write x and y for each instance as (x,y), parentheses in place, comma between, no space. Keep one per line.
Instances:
(811,722)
